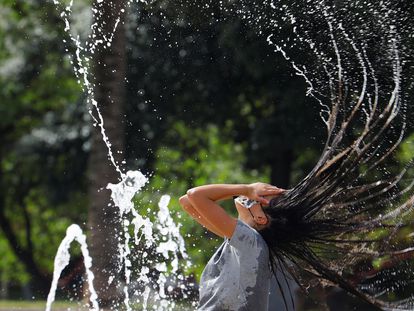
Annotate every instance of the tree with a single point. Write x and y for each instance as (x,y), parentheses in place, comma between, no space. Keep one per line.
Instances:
(103,218)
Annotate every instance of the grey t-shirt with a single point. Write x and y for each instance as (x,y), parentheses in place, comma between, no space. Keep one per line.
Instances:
(237,277)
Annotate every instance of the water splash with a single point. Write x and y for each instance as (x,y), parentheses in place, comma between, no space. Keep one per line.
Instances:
(168,243)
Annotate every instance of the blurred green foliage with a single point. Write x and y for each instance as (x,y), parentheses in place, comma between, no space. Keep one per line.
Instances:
(406,150)
(39,99)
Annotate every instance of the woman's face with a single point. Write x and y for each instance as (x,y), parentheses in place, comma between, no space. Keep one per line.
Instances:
(255,217)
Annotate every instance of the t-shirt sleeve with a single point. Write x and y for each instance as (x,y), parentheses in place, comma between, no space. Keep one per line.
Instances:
(245,237)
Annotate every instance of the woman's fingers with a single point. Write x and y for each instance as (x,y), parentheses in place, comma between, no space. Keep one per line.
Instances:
(261,190)
(272,190)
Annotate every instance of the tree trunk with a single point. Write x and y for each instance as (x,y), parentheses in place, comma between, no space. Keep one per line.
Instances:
(103,217)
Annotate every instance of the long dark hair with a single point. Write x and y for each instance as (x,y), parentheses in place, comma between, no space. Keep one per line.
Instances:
(342,223)
(349,222)
(329,225)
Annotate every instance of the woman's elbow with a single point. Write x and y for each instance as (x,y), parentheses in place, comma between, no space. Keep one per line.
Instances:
(191,193)
(183,200)
(185,203)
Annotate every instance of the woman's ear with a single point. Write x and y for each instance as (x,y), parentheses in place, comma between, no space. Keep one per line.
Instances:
(261,219)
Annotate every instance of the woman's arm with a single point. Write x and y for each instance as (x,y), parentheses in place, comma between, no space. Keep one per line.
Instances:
(213,213)
(216,192)
(186,204)
(256,191)
(203,201)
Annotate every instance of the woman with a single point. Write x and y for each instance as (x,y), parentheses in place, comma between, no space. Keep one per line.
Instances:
(238,275)
(346,224)
(277,232)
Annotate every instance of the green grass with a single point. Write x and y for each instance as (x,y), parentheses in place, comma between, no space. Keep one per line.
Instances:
(10,305)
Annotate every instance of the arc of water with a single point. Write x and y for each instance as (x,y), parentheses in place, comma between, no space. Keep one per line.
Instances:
(83,69)
(73,233)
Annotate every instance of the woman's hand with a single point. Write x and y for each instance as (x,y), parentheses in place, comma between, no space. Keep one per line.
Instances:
(257,191)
